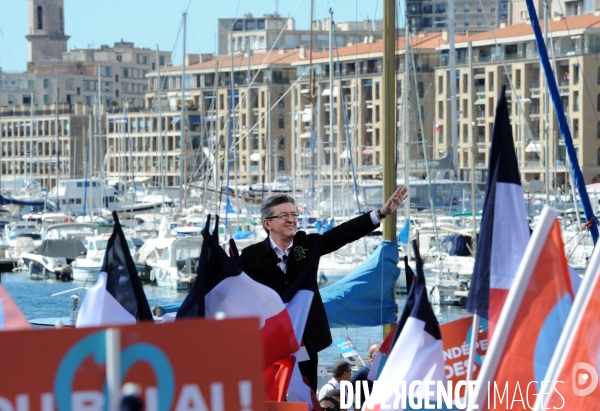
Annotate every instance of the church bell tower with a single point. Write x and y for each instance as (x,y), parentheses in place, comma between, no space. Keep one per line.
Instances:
(47,39)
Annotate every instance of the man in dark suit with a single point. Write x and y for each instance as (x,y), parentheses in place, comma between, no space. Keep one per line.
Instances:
(278,260)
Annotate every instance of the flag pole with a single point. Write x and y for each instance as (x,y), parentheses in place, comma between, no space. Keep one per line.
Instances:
(113,368)
(472,344)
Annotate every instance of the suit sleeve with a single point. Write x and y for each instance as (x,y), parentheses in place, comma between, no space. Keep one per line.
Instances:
(347,232)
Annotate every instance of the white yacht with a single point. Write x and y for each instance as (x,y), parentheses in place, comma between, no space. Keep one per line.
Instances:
(72,195)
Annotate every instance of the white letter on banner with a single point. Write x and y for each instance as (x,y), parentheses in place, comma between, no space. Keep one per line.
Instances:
(47,401)
(216,396)
(151,396)
(346,394)
(87,401)
(190,399)
(22,402)
(5,405)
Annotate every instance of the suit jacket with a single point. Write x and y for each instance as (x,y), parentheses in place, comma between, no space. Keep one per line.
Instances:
(260,263)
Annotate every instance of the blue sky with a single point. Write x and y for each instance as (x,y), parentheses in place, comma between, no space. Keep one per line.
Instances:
(151,22)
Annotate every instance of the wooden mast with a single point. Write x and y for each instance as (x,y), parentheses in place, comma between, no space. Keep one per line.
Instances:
(389,113)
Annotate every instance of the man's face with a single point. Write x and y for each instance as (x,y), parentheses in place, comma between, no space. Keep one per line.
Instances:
(279,227)
(372,353)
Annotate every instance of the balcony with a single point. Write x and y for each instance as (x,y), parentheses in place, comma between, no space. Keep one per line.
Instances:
(533,164)
(534,84)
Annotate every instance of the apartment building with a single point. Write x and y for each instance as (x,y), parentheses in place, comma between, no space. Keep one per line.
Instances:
(271,31)
(357,106)
(256,137)
(509,56)
(34,143)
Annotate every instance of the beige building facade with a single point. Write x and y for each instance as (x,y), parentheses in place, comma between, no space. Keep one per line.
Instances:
(576,42)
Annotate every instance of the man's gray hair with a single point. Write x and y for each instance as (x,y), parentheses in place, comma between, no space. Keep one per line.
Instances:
(266,208)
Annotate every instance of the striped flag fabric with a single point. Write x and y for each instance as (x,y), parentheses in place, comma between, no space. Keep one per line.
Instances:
(572,378)
(298,299)
(417,353)
(11,317)
(118,297)
(222,287)
(504,231)
(530,324)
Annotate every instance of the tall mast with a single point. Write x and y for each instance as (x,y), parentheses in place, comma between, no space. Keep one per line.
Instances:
(389,113)
(161,148)
(57,148)
(406,126)
(452,78)
(331,137)
(182,120)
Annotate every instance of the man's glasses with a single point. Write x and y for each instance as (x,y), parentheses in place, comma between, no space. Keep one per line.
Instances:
(331,408)
(284,216)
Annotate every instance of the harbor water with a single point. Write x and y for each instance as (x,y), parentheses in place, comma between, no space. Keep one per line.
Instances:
(50,299)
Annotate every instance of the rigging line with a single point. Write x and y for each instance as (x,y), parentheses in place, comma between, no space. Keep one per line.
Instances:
(270,108)
(270,51)
(579,66)
(344,110)
(420,115)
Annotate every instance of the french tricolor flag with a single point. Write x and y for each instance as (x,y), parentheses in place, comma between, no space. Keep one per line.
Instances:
(118,297)
(222,287)
(298,299)
(504,231)
(530,324)
(417,354)
(11,318)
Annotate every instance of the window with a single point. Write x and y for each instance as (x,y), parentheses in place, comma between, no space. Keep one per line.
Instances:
(119,58)
(46,99)
(142,59)
(250,25)
(467,21)
(598,131)
(31,84)
(260,24)
(575,101)
(598,157)
(598,102)
(11,99)
(479,20)
(106,71)
(238,25)
(467,7)
(281,101)
(40,24)
(281,122)
(46,83)
(575,128)
(26,99)
(161,61)
(70,84)
(598,75)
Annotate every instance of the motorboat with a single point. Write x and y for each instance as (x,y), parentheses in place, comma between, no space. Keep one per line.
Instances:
(52,258)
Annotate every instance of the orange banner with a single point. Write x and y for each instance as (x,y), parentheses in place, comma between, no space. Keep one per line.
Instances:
(189,364)
(456,336)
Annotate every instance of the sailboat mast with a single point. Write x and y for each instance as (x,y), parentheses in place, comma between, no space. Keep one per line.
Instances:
(182,119)
(160,138)
(331,138)
(473,150)
(452,78)
(389,113)
(406,127)
(57,148)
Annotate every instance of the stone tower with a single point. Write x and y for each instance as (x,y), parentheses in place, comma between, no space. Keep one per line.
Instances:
(47,39)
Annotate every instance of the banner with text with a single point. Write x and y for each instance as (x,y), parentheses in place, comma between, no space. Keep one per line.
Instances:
(189,364)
